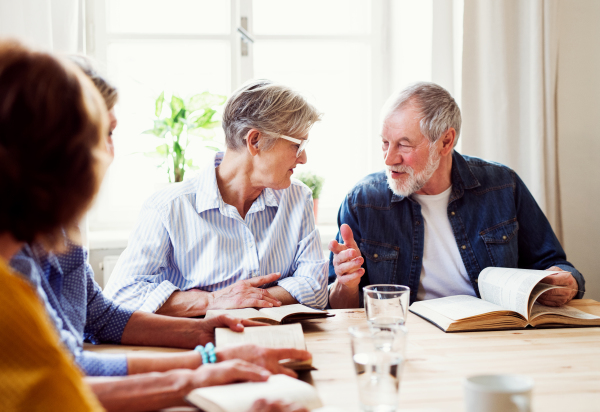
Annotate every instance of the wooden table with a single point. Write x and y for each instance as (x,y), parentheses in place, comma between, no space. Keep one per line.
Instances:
(565,363)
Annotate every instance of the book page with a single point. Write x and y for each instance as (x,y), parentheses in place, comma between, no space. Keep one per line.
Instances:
(278,336)
(282,311)
(239,397)
(247,313)
(567,311)
(510,288)
(459,307)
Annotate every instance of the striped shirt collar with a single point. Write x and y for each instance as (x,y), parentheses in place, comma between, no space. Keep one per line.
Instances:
(209,197)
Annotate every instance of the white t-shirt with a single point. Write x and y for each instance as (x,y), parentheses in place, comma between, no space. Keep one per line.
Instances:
(443,272)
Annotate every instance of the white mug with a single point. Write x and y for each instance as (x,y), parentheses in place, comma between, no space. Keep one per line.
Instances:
(498,393)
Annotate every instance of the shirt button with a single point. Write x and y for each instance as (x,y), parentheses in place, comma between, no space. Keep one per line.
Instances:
(417,223)
(463,247)
(375,255)
(415,257)
(503,237)
(452,213)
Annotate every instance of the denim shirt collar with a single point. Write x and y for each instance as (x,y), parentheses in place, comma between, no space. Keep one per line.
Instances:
(462,177)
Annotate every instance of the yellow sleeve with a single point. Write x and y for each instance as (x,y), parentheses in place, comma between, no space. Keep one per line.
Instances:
(37,373)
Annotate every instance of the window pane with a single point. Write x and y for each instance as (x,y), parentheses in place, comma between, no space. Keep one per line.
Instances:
(141,70)
(174,16)
(310,17)
(335,78)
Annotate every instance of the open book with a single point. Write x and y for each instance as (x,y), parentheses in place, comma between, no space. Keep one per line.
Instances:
(239,397)
(278,336)
(507,302)
(274,316)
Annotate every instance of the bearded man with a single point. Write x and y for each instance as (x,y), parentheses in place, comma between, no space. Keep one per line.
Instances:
(434,218)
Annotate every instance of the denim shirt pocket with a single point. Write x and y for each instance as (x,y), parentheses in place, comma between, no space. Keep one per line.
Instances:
(381,260)
(501,242)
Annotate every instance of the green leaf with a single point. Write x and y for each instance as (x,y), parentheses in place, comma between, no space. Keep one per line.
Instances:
(163,149)
(203,119)
(204,101)
(160,129)
(176,106)
(159,104)
(216,149)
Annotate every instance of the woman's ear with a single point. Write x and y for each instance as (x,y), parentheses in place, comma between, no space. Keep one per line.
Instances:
(252,140)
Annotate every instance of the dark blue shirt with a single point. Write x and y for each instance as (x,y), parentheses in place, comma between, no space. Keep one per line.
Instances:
(494,218)
(76,305)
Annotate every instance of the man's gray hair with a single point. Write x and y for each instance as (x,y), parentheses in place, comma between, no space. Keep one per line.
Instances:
(271,108)
(438,109)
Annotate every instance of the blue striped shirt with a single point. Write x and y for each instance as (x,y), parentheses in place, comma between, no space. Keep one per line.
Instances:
(188,237)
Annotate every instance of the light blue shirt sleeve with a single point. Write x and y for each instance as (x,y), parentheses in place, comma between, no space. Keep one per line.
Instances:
(140,280)
(308,284)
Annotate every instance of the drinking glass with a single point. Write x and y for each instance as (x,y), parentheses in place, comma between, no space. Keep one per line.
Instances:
(386,304)
(378,355)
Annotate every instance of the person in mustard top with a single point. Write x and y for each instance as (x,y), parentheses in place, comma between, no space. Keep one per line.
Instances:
(53,155)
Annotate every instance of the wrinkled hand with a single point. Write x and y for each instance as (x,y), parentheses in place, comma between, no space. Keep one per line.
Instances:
(207,327)
(245,294)
(264,357)
(263,405)
(226,372)
(347,260)
(558,297)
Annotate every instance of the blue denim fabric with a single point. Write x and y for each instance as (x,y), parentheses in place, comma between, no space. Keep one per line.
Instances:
(75,303)
(495,220)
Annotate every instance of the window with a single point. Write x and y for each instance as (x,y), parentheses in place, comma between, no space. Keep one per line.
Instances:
(343,55)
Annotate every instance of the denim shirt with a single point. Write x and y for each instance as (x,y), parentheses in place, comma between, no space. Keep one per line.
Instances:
(75,303)
(494,218)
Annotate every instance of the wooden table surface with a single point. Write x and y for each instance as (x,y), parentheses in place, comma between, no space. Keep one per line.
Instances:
(564,363)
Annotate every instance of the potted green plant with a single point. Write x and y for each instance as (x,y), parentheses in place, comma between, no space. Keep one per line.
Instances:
(194,117)
(314,183)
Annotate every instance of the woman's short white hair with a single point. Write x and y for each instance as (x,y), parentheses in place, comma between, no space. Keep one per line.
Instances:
(271,108)
(438,109)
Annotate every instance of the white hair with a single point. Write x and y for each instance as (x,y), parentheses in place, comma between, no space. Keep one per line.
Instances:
(438,109)
(272,108)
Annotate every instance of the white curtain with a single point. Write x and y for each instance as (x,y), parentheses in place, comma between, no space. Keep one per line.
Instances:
(52,25)
(510,55)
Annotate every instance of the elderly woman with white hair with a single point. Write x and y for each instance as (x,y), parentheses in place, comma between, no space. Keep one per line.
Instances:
(240,234)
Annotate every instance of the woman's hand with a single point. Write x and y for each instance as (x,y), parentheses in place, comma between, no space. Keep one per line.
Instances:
(264,357)
(230,371)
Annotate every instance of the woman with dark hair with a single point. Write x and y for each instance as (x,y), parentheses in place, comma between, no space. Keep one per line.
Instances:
(53,154)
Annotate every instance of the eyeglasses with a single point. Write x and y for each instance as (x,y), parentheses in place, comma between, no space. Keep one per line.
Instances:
(302,143)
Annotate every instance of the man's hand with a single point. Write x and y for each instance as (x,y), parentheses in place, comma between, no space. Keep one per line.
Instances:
(207,327)
(263,405)
(347,260)
(558,297)
(265,357)
(245,294)
(226,372)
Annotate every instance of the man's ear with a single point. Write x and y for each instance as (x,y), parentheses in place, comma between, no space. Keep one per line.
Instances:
(448,140)
(252,139)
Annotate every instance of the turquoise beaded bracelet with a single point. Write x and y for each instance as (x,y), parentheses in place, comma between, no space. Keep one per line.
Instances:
(207,353)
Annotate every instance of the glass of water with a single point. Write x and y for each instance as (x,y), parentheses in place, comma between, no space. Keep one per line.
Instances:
(378,355)
(386,304)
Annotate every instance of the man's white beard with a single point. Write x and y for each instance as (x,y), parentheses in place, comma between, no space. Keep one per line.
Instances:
(415,182)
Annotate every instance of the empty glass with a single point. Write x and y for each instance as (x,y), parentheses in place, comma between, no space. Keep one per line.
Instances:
(386,304)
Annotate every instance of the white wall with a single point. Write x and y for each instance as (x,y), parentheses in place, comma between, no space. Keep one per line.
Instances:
(579,136)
